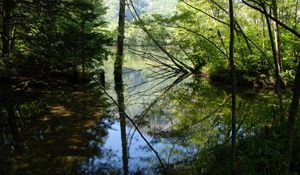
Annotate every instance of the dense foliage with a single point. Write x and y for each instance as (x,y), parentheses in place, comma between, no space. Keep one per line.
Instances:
(46,36)
(198,33)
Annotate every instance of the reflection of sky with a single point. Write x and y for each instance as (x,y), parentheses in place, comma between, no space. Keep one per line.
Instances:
(139,91)
(141,157)
(139,88)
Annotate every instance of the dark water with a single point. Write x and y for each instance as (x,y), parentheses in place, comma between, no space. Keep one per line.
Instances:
(76,130)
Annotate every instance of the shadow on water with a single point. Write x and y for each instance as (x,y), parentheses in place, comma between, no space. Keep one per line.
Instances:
(52,126)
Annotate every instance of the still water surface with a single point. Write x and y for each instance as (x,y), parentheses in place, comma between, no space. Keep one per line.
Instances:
(141,91)
(75,130)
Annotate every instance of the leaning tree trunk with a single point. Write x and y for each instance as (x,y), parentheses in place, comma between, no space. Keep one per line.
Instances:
(119,84)
(291,123)
(233,100)
(277,38)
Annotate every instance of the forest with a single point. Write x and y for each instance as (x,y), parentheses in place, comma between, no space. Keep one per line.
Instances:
(183,87)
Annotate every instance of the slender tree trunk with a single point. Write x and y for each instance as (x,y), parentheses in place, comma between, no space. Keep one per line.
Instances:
(83,65)
(234,169)
(277,37)
(119,84)
(14,129)
(6,96)
(291,124)
(120,39)
(14,24)
(82,47)
(295,53)
(74,66)
(13,36)
(277,76)
(121,107)
(263,32)
(6,15)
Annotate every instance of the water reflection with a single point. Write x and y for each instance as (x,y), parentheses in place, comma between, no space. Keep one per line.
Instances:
(141,92)
(183,118)
(119,88)
(50,125)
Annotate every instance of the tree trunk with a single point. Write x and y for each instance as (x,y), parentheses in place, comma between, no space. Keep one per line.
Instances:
(14,23)
(277,76)
(263,33)
(14,129)
(295,52)
(234,169)
(120,39)
(119,84)
(82,47)
(291,123)
(82,64)
(13,36)
(121,107)
(6,15)
(277,37)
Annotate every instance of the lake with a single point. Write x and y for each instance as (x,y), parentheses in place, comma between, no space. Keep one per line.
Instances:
(76,129)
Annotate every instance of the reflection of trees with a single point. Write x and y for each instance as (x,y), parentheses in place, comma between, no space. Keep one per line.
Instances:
(201,115)
(121,107)
(106,161)
(51,128)
(139,118)
(195,114)
(11,125)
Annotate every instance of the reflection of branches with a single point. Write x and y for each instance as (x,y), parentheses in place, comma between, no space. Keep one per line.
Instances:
(141,116)
(154,57)
(136,128)
(178,80)
(166,78)
(148,53)
(145,112)
(205,118)
(210,150)
(171,151)
(131,70)
(131,138)
(165,75)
